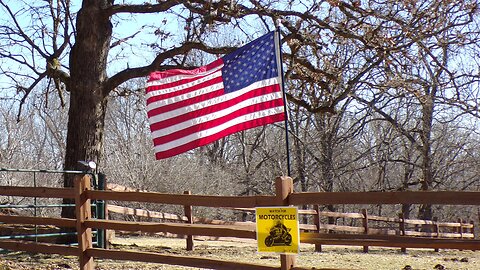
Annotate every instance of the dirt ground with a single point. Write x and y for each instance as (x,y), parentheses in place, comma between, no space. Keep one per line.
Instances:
(331,257)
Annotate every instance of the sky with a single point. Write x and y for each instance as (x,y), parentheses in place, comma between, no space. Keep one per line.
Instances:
(137,52)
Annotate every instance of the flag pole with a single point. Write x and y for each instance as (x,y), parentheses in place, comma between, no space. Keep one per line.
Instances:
(278,51)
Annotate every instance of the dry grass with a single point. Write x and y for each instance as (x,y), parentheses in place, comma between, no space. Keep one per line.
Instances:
(331,257)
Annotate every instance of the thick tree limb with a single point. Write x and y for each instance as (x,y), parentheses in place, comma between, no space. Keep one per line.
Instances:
(304,104)
(156,64)
(143,8)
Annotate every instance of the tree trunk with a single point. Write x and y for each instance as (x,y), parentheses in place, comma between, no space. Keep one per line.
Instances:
(425,211)
(299,160)
(326,164)
(407,175)
(88,64)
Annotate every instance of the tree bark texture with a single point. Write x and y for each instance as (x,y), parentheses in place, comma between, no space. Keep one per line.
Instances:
(425,211)
(88,98)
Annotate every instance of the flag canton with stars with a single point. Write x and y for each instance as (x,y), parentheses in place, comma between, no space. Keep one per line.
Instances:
(251,63)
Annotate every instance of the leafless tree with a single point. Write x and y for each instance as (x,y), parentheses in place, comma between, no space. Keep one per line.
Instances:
(425,71)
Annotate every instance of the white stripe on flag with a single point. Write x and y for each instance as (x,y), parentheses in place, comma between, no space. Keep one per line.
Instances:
(214,115)
(203,104)
(217,129)
(179,87)
(189,95)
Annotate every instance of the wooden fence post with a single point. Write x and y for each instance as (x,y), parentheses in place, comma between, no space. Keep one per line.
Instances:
(83,211)
(436,229)
(365,226)
(188,213)
(478,216)
(460,229)
(283,188)
(316,221)
(401,223)
(472,230)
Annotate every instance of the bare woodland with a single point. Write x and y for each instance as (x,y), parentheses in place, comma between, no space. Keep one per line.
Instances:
(382,95)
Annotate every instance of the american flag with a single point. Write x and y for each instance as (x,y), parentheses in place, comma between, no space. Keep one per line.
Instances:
(191,108)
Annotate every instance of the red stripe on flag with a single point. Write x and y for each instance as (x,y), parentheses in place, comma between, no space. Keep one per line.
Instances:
(207,110)
(185,103)
(158,75)
(206,140)
(199,86)
(218,121)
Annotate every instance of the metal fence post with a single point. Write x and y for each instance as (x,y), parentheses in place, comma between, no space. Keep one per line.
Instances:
(100,210)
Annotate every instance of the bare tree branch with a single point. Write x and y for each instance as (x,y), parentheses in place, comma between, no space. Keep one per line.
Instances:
(143,8)
(156,64)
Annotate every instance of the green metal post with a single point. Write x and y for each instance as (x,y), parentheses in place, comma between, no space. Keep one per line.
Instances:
(101,211)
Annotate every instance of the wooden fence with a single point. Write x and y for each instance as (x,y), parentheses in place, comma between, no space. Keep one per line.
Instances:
(84,223)
(389,225)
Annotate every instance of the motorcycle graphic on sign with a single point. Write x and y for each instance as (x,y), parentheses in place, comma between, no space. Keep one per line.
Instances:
(279,236)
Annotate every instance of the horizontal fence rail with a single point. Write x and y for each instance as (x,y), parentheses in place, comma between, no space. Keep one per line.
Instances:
(39,247)
(144,213)
(59,222)
(40,192)
(183,199)
(406,197)
(388,241)
(175,228)
(176,260)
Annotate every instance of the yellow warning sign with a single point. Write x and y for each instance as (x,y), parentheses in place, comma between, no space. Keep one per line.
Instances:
(277,229)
